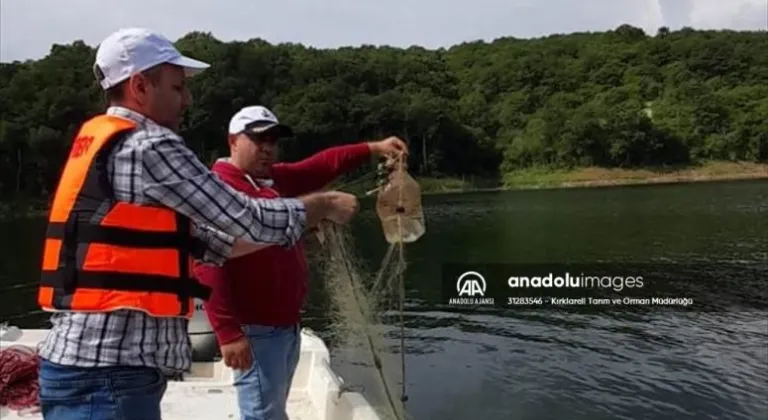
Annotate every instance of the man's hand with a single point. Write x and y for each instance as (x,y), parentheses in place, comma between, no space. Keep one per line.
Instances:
(335,206)
(388,146)
(237,354)
(343,207)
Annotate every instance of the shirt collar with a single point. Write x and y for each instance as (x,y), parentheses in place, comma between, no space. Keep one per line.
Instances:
(260,182)
(121,111)
(256,182)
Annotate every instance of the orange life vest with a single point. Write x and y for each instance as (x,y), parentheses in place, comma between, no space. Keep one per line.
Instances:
(101,254)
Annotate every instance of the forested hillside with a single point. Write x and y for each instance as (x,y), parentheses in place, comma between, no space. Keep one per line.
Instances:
(620,98)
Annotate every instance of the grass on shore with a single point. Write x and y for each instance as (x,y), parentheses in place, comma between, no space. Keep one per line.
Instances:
(535,178)
(595,177)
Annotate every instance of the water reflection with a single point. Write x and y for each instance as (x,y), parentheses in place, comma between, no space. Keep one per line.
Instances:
(533,364)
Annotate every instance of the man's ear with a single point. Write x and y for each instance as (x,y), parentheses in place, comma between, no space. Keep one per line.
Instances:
(137,86)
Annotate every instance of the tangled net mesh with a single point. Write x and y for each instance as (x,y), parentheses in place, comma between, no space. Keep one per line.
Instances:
(363,304)
(18,379)
(359,303)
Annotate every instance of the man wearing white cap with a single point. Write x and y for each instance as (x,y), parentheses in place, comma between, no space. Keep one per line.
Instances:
(256,300)
(134,205)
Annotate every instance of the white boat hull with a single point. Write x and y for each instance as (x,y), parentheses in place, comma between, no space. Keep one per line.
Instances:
(207,391)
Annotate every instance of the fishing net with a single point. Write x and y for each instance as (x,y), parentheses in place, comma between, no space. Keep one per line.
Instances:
(358,305)
(18,379)
(366,302)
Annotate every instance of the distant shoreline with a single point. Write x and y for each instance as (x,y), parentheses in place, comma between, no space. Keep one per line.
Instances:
(537,179)
(530,179)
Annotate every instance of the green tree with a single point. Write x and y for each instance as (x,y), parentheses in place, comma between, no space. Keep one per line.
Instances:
(478,109)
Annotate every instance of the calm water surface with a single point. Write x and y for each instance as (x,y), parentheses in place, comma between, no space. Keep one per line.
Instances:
(537,364)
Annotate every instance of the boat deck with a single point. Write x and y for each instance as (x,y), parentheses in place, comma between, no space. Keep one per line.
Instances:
(221,403)
(207,391)
(182,402)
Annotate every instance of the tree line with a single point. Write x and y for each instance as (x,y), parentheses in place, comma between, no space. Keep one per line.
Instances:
(619,98)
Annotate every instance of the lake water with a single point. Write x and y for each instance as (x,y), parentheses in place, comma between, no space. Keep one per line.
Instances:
(516,363)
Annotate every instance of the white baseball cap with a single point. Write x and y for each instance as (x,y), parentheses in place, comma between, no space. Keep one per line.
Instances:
(132,50)
(257,119)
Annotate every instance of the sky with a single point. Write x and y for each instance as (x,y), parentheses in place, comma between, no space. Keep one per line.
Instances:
(28,28)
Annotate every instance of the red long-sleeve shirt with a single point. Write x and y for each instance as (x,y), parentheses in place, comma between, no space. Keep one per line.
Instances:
(268,287)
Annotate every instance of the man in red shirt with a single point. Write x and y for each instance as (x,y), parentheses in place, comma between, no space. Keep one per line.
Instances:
(254,308)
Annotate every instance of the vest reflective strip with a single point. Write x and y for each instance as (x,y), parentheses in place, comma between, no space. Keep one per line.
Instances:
(141,218)
(125,299)
(123,282)
(117,236)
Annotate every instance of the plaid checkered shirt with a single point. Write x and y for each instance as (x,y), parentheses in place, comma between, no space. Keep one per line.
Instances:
(153,165)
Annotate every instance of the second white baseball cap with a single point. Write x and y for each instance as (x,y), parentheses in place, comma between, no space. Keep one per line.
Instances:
(257,119)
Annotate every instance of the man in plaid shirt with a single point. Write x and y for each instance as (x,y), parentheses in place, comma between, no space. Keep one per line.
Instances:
(114,364)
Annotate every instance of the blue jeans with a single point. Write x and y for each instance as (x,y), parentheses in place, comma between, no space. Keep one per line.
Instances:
(262,390)
(114,393)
